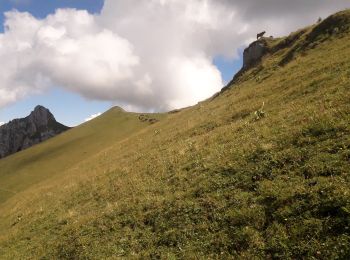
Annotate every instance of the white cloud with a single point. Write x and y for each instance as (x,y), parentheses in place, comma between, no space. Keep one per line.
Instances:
(67,49)
(92,117)
(143,54)
(2,123)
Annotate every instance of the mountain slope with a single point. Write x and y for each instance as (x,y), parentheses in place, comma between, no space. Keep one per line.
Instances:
(261,171)
(44,161)
(20,134)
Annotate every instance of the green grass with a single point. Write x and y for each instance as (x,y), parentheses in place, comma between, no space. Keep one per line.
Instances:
(55,156)
(210,181)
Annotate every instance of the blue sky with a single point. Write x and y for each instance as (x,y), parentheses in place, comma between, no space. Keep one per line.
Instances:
(68,107)
(41,8)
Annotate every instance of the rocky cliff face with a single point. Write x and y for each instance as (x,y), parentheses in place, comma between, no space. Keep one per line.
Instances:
(254,53)
(20,134)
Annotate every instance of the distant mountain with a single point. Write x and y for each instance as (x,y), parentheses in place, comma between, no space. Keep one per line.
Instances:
(23,133)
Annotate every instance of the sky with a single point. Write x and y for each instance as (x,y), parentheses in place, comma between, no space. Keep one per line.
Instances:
(78,58)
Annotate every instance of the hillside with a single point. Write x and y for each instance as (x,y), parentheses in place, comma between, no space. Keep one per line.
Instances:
(259,171)
(51,158)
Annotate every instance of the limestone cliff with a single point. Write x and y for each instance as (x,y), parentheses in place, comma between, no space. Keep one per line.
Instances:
(253,54)
(23,133)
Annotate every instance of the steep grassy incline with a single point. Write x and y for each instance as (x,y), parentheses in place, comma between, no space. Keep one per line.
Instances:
(227,178)
(44,161)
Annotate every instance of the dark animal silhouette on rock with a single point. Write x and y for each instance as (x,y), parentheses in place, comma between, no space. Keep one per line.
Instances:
(259,35)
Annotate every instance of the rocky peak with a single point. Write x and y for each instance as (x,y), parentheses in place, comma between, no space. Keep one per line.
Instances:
(41,116)
(23,133)
(40,110)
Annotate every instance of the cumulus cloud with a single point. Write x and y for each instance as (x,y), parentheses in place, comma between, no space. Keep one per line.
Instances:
(2,123)
(142,54)
(92,117)
(67,49)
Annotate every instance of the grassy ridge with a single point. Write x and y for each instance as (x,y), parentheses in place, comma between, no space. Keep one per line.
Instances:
(229,177)
(53,157)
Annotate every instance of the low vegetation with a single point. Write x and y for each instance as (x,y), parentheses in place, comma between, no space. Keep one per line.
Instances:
(227,178)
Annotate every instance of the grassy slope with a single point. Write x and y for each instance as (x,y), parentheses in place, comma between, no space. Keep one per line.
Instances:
(212,180)
(55,156)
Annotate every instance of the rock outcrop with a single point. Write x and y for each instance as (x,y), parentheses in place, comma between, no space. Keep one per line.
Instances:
(253,54)
(23,133)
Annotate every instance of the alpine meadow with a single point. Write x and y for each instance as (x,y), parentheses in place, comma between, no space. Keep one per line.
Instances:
(261,170)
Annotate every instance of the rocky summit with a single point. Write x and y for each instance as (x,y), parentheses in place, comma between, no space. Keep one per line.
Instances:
(23,133)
